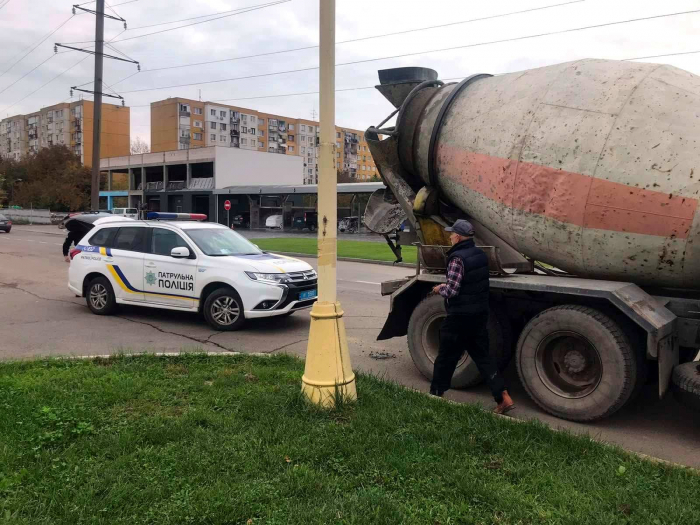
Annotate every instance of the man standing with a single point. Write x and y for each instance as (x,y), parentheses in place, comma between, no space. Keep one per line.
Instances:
(466,296)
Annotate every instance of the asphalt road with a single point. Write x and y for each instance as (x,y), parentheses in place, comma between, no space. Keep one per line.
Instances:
(40,316)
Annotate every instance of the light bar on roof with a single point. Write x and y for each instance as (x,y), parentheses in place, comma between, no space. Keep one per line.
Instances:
(165,216)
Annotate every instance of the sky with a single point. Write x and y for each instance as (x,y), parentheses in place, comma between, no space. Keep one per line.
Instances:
(259,28)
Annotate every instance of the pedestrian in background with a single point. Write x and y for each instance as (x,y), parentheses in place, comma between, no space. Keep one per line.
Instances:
(466,294)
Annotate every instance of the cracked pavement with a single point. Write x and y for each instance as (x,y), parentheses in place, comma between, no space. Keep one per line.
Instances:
(40,316)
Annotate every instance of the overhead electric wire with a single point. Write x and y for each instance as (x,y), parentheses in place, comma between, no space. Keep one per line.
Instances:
(240,12)
(414,53)
(29,72)
(282,95)
(37,45)
(501,15)
(4,4)
(50,81)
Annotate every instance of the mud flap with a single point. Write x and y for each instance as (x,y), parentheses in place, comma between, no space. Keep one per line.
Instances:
(668,352)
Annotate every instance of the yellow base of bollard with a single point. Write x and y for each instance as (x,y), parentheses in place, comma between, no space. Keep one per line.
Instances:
(328,373)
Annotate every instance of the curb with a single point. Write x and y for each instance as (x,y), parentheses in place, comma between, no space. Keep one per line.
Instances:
(348,259)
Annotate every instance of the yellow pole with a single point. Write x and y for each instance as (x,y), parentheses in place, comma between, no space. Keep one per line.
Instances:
(328,372)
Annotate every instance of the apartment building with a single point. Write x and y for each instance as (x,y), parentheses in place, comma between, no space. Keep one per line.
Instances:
(178,123)
(70,124)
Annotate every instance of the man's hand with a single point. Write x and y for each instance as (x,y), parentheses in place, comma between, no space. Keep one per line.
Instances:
(437,288)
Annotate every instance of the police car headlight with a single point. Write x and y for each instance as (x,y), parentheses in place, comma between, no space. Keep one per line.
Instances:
(274,278)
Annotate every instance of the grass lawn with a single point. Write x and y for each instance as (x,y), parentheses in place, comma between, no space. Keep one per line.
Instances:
(375,251)
(224,440)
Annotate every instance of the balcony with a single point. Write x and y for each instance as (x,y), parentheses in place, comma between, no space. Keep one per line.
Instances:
(235,120)
(235,133)
(176,185)
(184,140)
(185,113)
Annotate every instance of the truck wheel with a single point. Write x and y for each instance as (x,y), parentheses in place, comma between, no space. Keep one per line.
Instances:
(423,341)
(686,381)
(576,363)
(223,310)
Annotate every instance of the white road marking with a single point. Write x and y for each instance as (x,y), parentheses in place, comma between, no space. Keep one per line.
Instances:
(362,282)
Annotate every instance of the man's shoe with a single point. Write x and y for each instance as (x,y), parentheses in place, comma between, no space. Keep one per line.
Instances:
(506,405)
(436,393)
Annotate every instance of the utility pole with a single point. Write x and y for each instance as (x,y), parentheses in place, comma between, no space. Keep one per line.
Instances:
(97,104)
(100,16)
(328,377)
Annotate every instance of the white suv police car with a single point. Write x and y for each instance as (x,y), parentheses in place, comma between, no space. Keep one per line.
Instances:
(191,266)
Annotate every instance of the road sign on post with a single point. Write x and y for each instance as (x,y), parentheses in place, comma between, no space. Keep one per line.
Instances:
(227,207)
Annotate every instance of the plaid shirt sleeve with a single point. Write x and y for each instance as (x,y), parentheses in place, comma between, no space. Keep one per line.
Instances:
(455,273)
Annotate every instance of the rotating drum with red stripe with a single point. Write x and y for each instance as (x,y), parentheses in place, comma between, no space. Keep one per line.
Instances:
(591,166)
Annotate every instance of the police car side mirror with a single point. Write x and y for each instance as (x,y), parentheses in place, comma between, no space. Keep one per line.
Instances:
(180,252)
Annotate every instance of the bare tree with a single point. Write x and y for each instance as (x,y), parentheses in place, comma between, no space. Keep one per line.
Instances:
(139,146)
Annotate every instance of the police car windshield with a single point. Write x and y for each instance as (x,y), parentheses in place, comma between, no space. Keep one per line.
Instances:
(220,242)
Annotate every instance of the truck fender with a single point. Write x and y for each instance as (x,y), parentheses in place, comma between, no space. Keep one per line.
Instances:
(403,301)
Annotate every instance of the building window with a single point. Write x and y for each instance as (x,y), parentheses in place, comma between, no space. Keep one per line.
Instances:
(290,138)
(223,138)
(244,142)
(303,127)
(311,150)
(213,137)
(303,138)
(252,119)
(303,149)
(223,127)
(222,114)
(197,123)
(185,108)
(311,171)
(212,125)
(213,112)
(311,129)
(337,154)
(252,131)
(261,132)
(262,121)
(197,136)
(261,144)
(197,111)
(244,129)
(291,149)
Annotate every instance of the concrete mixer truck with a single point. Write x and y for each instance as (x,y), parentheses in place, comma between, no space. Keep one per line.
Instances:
(582,181)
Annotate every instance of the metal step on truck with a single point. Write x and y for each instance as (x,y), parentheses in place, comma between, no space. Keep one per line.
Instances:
(579,179)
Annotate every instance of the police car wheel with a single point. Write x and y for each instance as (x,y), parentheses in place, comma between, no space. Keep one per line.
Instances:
(100,297)
(223,310)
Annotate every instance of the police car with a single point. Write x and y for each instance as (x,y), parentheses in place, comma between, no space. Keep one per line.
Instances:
(186,265)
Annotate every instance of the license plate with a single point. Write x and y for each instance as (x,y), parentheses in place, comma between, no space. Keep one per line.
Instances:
(308,294)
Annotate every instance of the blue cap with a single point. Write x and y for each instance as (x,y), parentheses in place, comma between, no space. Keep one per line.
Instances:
(462,227)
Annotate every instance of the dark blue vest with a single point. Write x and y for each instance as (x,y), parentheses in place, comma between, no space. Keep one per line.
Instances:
(473,297)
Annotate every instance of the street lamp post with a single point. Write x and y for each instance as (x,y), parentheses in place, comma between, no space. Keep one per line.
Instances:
(328,373)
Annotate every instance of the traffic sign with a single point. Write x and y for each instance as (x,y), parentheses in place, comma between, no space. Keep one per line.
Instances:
(227,205)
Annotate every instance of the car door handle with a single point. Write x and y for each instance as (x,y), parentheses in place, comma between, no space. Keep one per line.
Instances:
(150,265)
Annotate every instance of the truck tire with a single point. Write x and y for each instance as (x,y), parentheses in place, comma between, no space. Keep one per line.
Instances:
(423,341)
(576,363)
(686,384)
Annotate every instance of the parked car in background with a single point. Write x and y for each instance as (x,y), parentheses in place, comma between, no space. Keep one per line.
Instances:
(274,222)
(241,220)
(130,213)
(308,221)
(5,224)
